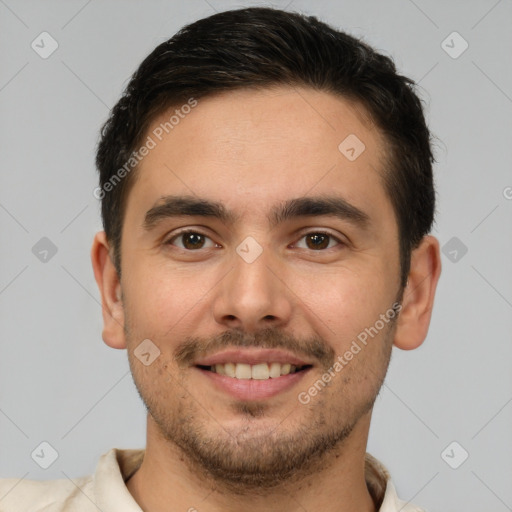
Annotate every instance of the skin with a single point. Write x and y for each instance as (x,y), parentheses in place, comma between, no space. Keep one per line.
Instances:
(251,150)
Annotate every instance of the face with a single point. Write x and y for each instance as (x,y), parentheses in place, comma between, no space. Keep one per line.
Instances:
(252,245)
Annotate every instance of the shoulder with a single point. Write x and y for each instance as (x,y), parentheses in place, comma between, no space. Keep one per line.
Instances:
(105,490)
(20,495)
(382,490)
(392,503)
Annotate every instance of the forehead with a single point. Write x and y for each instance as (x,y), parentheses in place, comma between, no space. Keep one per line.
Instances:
(260,147)
(255,122)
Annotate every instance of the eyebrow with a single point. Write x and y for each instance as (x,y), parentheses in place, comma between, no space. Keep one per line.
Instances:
(179,206)
(334,206)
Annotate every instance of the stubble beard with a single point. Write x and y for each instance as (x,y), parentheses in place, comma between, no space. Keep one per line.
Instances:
(254,460)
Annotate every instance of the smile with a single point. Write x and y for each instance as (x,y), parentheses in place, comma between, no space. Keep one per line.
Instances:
(260,371)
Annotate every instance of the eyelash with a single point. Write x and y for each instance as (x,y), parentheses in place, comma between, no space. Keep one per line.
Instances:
(186,232)
(325,233)
(197,232)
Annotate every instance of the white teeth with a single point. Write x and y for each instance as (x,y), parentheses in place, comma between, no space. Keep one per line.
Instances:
(230,369)
(275,370)
(243,371)
(260,371)
(285,368)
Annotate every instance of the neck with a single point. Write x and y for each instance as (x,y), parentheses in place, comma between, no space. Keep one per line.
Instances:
(166,478)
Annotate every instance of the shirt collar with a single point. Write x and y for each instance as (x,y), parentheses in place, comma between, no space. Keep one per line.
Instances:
(117,466)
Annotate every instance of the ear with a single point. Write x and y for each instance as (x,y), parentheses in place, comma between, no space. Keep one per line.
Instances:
(418,297)
(108,282)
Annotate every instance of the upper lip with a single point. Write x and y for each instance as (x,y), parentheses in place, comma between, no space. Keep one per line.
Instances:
(251,356)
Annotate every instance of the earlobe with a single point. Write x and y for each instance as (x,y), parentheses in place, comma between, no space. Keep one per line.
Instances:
(418,298)
(108,283)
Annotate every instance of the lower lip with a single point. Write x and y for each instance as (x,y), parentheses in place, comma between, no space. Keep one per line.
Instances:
(253,389)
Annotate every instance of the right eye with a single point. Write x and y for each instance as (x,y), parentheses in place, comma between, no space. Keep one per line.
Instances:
(191,241)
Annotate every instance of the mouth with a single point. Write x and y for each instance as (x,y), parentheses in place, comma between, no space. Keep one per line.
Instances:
(260,371)
(253,374)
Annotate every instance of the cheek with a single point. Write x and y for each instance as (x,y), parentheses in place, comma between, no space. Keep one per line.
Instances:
(163,302)
(342,303)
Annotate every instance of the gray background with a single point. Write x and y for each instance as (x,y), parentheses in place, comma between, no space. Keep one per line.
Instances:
(59,383)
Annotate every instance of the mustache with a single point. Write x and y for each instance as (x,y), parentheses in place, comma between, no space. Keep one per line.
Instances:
(314,347)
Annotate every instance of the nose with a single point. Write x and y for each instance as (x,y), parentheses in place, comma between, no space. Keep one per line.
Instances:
(253,296)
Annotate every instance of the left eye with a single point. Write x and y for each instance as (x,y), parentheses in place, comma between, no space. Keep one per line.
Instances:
(191,240)
(317,241)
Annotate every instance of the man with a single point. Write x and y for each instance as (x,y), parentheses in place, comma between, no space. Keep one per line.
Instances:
(267,194)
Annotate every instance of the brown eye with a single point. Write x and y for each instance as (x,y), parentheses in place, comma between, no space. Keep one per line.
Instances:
(191,240)
(317,241)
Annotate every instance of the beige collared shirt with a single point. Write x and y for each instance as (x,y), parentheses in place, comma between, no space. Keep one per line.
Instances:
(105,491)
